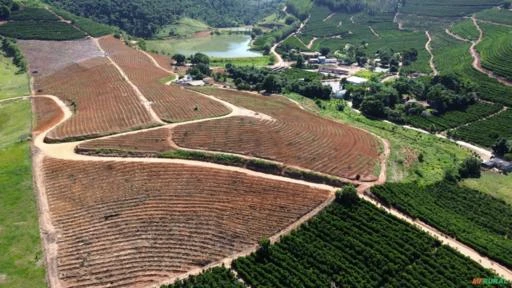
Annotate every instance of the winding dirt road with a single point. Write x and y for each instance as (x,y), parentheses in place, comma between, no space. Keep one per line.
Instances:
(66,151)
(428,47)
(477,61)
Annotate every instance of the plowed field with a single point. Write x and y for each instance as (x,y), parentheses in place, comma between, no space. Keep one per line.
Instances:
(296,137)
(47,114)
(171,103)
(101,100)
(126,224)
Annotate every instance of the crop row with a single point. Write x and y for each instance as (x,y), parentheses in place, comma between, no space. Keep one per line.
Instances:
(87,25)
(476,219)
(452,8)
(357,245)
(296,138)
(40,30)
(46,114)
(101,100)
(503,16)
(218,277)
(130,223)
(171,103)
(454,119)
(496,49)
(486,132)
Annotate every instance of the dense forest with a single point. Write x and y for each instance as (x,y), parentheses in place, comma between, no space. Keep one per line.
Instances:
(143,18)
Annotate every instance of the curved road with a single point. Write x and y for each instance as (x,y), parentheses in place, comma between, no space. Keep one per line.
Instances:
(66,151)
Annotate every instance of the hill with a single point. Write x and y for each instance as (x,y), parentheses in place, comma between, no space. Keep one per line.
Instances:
(144,19)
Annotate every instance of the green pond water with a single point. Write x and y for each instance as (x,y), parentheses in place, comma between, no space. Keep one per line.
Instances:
(218,46)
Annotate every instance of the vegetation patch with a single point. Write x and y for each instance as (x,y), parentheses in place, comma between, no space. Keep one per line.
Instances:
(494,184)
(486,132)
(214,277)
(12,82)
(496,49)
(91,27)
(354,242)
(477,219)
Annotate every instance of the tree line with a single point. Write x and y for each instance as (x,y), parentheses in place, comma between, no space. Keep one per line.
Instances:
(11,50)
(7,7)
(144,19)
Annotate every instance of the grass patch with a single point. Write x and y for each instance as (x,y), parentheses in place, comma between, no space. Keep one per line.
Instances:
(494,184)
(13,83)
(166,80)
(14,126)
(20,249)
(182,28)
(243,61)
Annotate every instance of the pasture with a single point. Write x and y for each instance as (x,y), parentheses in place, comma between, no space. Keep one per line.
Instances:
(13,83)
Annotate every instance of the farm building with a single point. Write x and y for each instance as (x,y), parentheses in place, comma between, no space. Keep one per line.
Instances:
(497,163)
(309,55)
(356,80)
(332,69)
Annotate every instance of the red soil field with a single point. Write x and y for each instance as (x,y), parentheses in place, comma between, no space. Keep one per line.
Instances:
(101,100)
(164,61)
(171,103)
(47,113)
(153,141)
(127,224)
(47,57)
(296,137)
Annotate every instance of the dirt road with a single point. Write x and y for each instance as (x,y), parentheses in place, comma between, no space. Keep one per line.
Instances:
(429,50)
(477,61)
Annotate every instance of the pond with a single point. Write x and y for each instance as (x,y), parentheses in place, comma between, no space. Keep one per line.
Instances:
(218,46)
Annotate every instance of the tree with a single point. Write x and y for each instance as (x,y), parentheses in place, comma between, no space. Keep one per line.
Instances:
(263,251)
(501,147)
(347,195)
(271,84)
(470,168)
(289,20)
(371,106)
(200,58)
(300,62)
(179,58)
(325,51)
(5,12)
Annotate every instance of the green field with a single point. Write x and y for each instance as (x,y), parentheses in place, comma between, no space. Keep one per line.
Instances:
(243,61)
(455,118)
(182,28)
(443,8)
(452,56)
(477,219)
(87,25)
(38,24)
(21,260)
(218,277)
(486,132)
(496,49)
(496,15)
(465,29)
(357,245)
(12,83)
(497,185)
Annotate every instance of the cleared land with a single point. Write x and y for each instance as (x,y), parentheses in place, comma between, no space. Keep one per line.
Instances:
(295,138)
(43,59)
(132,224)
(171,103)
(102,101)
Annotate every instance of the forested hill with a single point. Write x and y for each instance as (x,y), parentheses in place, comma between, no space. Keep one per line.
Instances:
(351,6)
(144,17)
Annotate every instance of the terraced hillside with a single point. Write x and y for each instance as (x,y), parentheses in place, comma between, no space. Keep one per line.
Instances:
(126,224)
(496,49)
